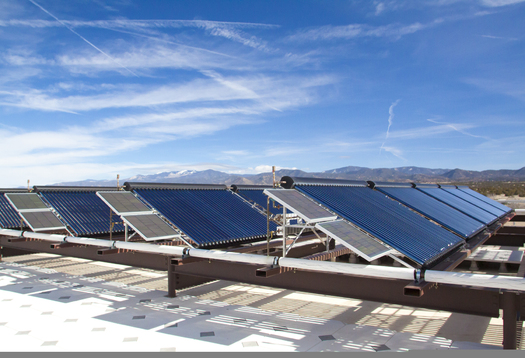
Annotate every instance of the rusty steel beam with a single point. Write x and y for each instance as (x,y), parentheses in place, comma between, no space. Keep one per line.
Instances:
(509,302)
(103,252)
(512,230)
(20,239)
(507,239)
(63,245)
(521,270)
(138,259)
(518,218)
(185,261)
(443,297)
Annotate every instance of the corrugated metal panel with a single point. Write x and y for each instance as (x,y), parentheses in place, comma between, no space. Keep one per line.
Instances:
(494,203)
(83,211)
(208,217)
(465,207)
(9,217)
(436,210)
(396,225)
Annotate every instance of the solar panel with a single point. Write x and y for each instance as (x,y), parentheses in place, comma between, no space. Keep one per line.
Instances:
(137,215)
(307,209)
(26,201)
(475,201)
(124,203)
(34,212)
(494,203)
(416,237)
(436,210)
(42,221)
(356,240)
(465,207)
(80,207)
(150,227)
(210,216)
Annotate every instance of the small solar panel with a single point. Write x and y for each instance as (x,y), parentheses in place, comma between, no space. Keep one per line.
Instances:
(355,239)
(42,221)
(26,201)
(123,202)
(301,205)
(34,212)
(150,227)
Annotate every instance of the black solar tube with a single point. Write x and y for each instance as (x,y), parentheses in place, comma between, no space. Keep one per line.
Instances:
(494,203)
(374,212)
(465,207)
(475,201)
(436,210)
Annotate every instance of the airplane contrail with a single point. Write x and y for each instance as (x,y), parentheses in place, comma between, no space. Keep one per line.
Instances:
(83,38)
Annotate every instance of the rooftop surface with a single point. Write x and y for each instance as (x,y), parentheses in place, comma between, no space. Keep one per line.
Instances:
(55,303)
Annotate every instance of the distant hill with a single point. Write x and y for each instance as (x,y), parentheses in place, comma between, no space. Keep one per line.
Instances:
(402,174)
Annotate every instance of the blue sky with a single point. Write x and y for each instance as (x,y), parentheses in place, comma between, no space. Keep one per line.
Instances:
(93,88)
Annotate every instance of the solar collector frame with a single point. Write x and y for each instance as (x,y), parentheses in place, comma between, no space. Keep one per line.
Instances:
(80,207)
(37,215)
(494,203)
(459,204)
(211,215)
(475,201)
(304,207)
(138,216)
(441,213)
(404,230)
(356,240)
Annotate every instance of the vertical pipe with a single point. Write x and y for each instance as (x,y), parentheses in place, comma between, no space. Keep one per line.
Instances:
(510,317)
(172,280)
(126,238)
(273,172)
(284,231)
(110,224)
(268,227)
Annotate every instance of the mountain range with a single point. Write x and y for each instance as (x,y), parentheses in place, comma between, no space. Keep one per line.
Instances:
(401,174)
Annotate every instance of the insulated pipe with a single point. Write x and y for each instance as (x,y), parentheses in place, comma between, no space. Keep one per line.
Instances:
(479,280)
(445,277)
(349,269)
(157,249)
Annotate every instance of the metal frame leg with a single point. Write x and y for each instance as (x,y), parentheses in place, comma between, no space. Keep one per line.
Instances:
(510,317)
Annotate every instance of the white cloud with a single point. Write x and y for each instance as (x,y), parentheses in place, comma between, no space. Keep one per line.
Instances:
(395,151)
(380,7)
(272,93)
(498,3)
(423,132)
(228,30)
(458,128)
(352,31)
(512,88)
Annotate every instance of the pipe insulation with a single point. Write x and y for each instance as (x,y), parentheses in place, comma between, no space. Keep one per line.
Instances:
(401,273)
